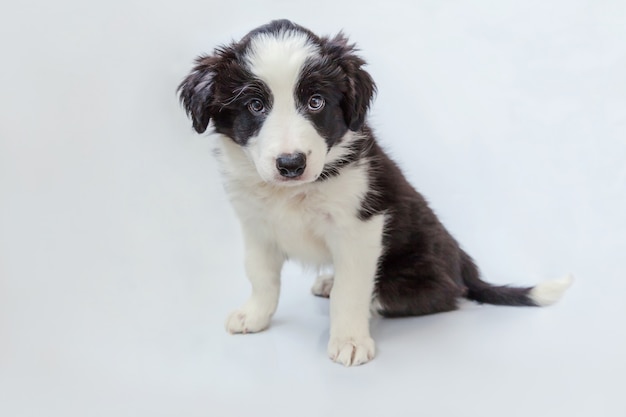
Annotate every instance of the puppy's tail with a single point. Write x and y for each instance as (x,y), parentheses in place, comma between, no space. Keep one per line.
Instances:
(540,295)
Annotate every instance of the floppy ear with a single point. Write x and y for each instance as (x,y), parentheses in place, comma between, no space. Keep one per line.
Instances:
(361,87)
(197,90)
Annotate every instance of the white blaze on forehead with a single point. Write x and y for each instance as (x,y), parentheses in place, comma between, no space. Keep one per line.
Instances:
(277,59)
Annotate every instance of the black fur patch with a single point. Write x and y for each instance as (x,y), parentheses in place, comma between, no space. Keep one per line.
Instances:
(320,76)
(422,270)
(220,88)
(356,151)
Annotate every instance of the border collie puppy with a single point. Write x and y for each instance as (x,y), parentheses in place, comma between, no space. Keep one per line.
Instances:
(309,182)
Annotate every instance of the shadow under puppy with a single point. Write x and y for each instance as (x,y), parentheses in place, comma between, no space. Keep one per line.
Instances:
(309,182)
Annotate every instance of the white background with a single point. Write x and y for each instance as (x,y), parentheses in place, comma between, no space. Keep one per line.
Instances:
(120,256)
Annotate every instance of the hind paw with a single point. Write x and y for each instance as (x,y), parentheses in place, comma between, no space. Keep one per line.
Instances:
(323,285)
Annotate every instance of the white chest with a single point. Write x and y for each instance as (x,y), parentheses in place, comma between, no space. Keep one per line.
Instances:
(302,221)
(299,224)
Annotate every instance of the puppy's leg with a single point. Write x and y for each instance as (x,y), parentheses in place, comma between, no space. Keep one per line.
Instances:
(323,285)
(355,254)
(263,265)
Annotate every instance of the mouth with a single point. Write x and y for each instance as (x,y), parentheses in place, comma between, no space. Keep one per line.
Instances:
(293,181)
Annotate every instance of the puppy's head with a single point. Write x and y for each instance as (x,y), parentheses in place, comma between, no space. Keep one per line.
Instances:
(286,96)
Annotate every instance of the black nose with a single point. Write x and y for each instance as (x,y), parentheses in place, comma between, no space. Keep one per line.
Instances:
(291,165)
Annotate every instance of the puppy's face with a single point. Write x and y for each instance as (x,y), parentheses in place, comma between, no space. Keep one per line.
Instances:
(286,96)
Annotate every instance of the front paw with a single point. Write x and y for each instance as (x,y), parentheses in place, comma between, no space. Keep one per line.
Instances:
(247,320)
(351,351)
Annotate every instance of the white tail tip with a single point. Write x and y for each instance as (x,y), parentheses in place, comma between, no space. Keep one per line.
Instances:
(550,292)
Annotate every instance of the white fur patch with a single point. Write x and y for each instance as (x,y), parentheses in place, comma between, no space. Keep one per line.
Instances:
(550,292)
(317,224)
(323,285)
(277,60)
(352,351)
(263,265)
(296,219)
(356,247)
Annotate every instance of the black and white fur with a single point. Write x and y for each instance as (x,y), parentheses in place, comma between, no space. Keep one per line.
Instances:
(309,182)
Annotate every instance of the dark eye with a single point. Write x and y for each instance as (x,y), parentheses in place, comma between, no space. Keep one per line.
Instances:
(316,102)
(256,106)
